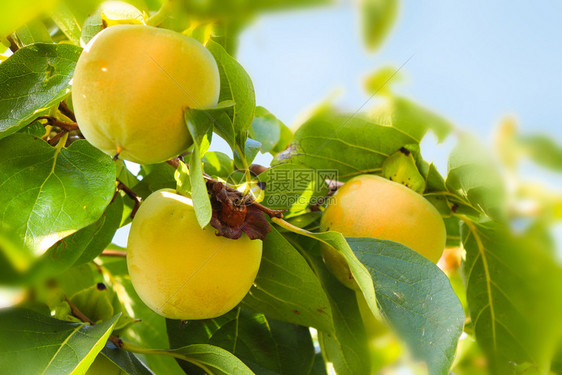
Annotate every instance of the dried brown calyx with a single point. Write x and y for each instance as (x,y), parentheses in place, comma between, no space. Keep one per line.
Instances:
(233,215)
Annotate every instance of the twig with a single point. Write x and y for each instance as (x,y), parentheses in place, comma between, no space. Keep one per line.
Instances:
(131,194)
(77,313)
(68,126)
(66,111)
(114,253)
(80,315)
(257,169)
(55,139)
(13,45)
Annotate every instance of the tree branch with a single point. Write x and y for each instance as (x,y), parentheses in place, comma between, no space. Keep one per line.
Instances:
(66,111)
(68,126)
(131,194)
(114,253)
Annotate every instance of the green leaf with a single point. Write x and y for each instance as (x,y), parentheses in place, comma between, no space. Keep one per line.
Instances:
(347,345)
(126,361)
(107,225)
(32,32)
(514,295)
(286,288)
(412,119)
(378,17)
(59,257)
(212,359)
(199,125)
(110,13)
(183,179)
(33,79)
(48,193)
(294,187)
(217,164)
(284,140)
(473,177)
(67,23)
(251,149)
(263,344)
(416,298)
(543,150)
(349,144)
(428,317)
(236,85)
(266,128)
(155,177)
(31,343)
(380,82)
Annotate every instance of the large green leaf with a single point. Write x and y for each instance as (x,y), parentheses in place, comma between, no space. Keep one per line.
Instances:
(31,343)
(349,144)
(33,79)
(263,344)
(59,257)
(286,288)
(416,298)
(378,17)
(412,293)
(48,193)
(236,85)
(347,345)
(473,176)
(514,296)
(266,128)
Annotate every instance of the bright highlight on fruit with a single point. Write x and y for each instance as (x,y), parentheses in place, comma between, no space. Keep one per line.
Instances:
(372,206)
(182,271)
(131,86)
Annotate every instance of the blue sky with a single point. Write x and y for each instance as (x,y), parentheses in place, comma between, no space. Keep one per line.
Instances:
(473,61)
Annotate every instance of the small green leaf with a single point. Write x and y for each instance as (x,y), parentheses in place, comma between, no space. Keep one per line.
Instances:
(378,18)
(411,118)
(266,129)
(217,164)
(48,193)
(57,346)
(286,288)
(67,23)
(212,359)
(32,32)
(199,125)
(183,179)
(543,150)
(251,149)
(126,361)
(32,80)
(401,167)
(236,85)
(473,177)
